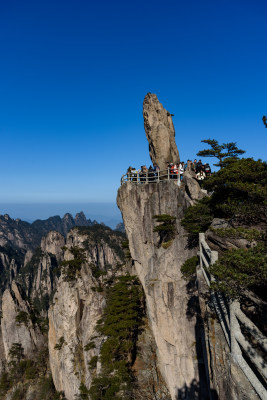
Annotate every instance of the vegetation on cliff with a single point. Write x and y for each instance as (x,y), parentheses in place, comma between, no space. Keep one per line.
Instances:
(238,194)
(241,269)
(226,152)
(23,372)
(121,324)
(165,229)
(71,268)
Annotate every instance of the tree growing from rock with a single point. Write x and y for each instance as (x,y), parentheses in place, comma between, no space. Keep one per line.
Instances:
(225,152)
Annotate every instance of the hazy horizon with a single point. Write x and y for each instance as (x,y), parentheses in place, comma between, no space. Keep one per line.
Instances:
(101,212)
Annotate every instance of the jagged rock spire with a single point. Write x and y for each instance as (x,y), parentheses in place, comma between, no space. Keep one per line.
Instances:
(160,132)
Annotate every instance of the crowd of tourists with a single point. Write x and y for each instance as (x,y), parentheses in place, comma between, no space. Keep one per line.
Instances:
(173,171)
(201,170)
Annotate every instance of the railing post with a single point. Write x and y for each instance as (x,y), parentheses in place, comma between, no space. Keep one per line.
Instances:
(234,329)
(146,177)
(201,237)
(168,174)
(158,175)
(213,257)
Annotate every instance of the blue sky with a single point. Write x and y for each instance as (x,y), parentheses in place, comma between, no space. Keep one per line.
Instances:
(73,76)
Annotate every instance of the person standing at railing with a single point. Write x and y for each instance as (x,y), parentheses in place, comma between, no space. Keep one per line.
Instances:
(171,171)
(134,174)
(207,169)
(155,169)
(188,166)
(199,166)
(176,171)
(129,173)
(143,174)
(151,177)
(181,170)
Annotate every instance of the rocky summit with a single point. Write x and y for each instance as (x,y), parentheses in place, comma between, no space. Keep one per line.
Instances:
(160,132)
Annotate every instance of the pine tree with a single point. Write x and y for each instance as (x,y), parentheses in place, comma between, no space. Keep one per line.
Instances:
(225,152)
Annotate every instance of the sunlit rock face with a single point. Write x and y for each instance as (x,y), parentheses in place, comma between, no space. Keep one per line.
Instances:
(160,132)
(72,323)
(27,334)
(53,243)
(158,268)
(76,309)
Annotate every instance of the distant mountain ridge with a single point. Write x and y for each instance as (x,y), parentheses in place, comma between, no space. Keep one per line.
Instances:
(27,236)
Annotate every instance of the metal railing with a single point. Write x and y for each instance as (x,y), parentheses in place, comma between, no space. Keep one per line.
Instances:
(249,355)
(140,177)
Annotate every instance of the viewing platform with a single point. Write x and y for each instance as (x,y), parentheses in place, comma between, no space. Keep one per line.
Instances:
(138,177)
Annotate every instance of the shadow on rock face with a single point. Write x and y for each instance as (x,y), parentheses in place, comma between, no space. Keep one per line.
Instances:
(193,392)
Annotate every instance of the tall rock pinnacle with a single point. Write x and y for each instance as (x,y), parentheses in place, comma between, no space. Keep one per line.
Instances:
(160,132)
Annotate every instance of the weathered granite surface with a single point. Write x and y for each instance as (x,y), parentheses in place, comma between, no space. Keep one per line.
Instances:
(75,311)
(158,269)
(160,132)
(27,334)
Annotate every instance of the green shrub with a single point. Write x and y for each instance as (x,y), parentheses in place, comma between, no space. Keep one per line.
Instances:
(89,346)
(18,394)
(22,318)
(5,383)
(198,218)
(30,369)
(120,324)
(188,268)
(84,392)
(16,352)
(93,362)
(241,269)
(46,390)
(240,191)
(166,229)
(60,343)
(71,268)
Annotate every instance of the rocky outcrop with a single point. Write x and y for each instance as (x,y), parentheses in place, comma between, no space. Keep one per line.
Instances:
(15,233)
(76,308)
(192,187)
(222,243)
(158,269)
(72,321)
(23,331)
(53,243)
(160,132)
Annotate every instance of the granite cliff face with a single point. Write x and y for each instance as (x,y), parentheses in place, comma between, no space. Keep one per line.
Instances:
(158,268)
(76,308)
(13,331)
(160,132)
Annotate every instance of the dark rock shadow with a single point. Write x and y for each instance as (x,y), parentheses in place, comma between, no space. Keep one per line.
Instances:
(193,392)
(197,390)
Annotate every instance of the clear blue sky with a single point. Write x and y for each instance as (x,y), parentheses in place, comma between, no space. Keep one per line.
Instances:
(73,75)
